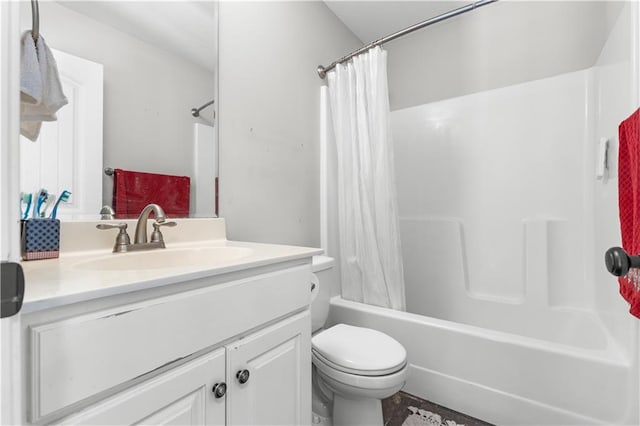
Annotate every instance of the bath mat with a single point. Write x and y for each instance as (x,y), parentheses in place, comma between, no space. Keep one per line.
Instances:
(403,409)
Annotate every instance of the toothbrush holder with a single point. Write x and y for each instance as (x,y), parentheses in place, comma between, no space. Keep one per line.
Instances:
(40,238)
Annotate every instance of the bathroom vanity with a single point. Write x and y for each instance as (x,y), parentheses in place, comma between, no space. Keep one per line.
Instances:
(221,336)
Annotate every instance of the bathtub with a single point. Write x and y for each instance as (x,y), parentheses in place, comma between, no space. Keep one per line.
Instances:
(507,378)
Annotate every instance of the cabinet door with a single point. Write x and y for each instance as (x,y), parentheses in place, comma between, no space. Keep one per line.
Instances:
(182,396)
(278,362)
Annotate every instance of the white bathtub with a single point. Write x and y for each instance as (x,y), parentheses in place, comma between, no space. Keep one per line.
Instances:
(506,378)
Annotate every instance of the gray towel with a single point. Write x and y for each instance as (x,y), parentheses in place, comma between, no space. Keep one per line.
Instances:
(40,89)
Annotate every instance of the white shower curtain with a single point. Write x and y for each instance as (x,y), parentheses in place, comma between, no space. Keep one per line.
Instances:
(371,259)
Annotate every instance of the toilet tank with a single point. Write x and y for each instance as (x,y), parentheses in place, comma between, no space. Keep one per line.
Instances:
(326,279)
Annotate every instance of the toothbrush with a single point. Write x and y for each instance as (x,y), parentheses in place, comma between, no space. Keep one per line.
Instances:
(40,199)
(25,199)
(51,198)
(64,197)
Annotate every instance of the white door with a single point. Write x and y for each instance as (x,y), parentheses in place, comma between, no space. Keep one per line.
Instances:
(275,366)
(182,396)
(68,153)
(9,231)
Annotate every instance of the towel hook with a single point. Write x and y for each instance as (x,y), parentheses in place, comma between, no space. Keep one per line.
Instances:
(35,20)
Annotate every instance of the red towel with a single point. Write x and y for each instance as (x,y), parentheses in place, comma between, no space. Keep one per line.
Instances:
(629,203)
(132,191)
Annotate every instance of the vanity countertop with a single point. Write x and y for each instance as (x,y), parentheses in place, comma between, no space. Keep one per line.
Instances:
(89,273)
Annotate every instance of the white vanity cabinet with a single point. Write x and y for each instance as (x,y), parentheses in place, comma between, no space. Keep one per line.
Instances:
(155,358)
(271,374)
(181,396)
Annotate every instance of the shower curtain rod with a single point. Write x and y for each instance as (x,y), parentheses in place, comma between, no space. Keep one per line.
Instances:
(322,71)
(196,111)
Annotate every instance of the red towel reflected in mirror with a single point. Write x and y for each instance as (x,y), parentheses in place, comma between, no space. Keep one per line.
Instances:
(132,191)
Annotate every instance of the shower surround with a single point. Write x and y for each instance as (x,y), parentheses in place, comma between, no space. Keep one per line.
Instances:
(511,316)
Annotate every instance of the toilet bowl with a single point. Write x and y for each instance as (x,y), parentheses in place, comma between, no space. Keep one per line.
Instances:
(354,368)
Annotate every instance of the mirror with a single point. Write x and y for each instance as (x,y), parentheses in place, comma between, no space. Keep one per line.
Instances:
(158,61)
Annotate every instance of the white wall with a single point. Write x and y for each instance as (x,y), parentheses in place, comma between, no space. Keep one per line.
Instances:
(269,116)
(148,92)
(498,45)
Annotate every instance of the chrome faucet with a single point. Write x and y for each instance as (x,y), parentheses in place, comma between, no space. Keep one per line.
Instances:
(140,242)
(141,226)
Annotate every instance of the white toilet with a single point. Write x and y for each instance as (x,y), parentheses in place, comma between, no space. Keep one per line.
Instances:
(354,368)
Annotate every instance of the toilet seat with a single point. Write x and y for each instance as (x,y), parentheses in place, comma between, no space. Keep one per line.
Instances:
(366,373)
(349,383)
(358,351)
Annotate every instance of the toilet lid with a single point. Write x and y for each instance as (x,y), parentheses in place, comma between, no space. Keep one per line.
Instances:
(359,350)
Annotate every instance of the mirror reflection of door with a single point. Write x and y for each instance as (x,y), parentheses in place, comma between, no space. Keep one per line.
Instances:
(68,153)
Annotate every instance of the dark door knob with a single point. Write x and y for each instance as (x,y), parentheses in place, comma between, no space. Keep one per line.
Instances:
(243,376)
(12,293)
(618,262)
(219,389)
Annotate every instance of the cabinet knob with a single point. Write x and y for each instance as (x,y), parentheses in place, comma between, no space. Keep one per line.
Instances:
(219,389)
(243,376)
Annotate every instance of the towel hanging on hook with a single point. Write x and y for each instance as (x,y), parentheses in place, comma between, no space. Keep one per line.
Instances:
(41,94)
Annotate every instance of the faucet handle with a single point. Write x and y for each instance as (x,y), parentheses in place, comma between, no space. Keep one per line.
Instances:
(122,239)
(107,213)
(103,226)
(156,235)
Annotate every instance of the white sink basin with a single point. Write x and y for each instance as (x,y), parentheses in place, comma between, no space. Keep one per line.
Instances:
(165,258)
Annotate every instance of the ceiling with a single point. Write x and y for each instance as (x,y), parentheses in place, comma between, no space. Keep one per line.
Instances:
(189,27)
(371,20)
(185,28)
